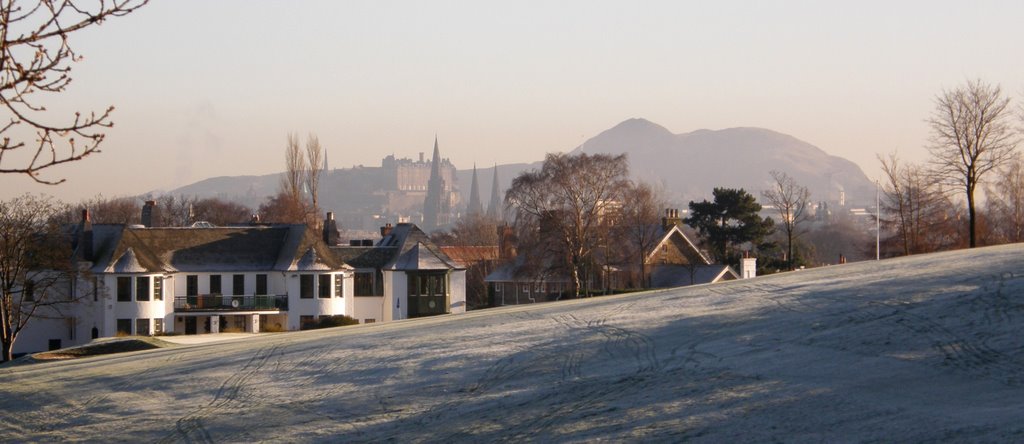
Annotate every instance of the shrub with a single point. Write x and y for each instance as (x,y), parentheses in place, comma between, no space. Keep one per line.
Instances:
(271,328)
(335,321)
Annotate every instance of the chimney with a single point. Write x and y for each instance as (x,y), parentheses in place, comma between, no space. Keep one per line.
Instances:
(748,266)
(386,230)
(149,213)
(671,219)
(331,235)
(85,241)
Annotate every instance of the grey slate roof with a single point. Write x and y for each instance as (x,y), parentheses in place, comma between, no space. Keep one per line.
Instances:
(408,241)
(668,276)
(120,249)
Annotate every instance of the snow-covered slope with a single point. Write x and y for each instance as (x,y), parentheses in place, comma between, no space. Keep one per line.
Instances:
(929,348)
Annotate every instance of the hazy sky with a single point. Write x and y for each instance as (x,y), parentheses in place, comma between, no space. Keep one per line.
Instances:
(211,88)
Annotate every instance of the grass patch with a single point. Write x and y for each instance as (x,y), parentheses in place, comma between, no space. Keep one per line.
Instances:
(103,347)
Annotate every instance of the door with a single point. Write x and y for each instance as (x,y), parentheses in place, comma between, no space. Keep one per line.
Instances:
(190,325)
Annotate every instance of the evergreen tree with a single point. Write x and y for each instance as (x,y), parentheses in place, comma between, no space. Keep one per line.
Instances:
(730,220)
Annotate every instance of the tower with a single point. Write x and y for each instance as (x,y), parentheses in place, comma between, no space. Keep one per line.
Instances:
(494,208)
(437,205)
(475,208)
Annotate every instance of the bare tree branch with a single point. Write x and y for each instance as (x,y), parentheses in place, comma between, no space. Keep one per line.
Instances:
(36,58)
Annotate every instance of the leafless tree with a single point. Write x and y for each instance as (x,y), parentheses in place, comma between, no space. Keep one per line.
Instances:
(918,206)
(106,210)
(1006,201)
(283,209)
(35,265)
(295,168)
(35,59)
(972,134)
(790,201)
(639,224)
(314,172)
(564,202)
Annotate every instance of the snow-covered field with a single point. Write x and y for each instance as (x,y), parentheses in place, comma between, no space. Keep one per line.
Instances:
(929,348)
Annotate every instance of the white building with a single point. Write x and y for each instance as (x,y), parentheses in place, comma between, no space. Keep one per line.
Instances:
(148,281)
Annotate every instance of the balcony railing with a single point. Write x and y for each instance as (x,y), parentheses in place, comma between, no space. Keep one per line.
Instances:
(216,302)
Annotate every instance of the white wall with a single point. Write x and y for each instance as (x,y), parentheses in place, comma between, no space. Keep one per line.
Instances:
(457,291)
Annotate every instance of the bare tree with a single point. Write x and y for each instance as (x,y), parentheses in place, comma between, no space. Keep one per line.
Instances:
(36,60)
(790,200)
(1006,200)
(639,224)
(107,210)
(282,208)
(35,265)
(295,168)
(565,200)
(971,135)
(919,208)
(314,172)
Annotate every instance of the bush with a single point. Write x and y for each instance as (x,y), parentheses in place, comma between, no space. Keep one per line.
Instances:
(335,321)
(271,328)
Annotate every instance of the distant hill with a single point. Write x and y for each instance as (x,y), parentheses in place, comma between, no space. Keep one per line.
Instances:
(689,166)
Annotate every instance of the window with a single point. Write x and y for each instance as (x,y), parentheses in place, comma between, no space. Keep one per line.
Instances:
(261,284)
(215,284)
(191,285)
(324,282)
(238,284)
(95,288)
(158,326)
(306,322)
(363,284)
(428,293)
(124,327)
(306,286)
(339,285)
(158,288)
(124,289)
(142,327)
(142,288)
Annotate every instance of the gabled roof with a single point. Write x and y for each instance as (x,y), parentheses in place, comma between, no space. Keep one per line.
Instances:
(689,249)
(406,247)
(420,257)
(408,237)
(120,249)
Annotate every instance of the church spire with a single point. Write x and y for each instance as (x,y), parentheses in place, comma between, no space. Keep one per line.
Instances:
(494,208)
(437,204)
(475,207)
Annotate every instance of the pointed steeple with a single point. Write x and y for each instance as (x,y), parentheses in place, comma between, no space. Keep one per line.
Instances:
(475,208)
(436,206)
(494,208)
